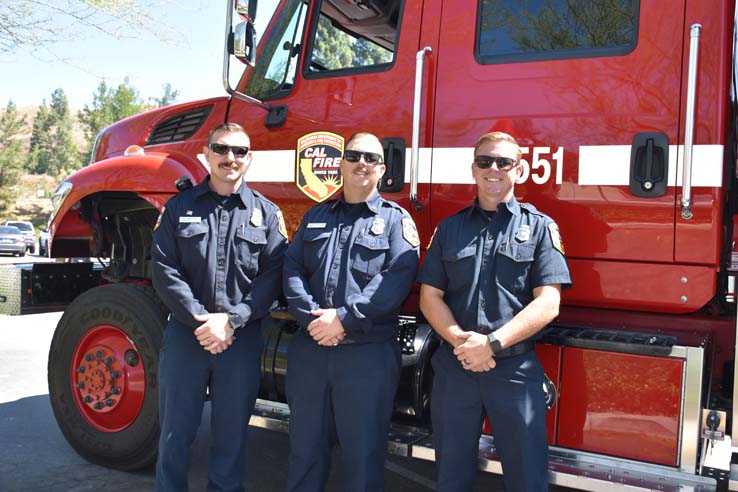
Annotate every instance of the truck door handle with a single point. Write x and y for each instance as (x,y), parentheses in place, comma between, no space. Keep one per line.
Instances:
(414,164)
(694,45)
(649,165)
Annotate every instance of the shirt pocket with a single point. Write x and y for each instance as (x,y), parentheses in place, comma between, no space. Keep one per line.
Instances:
(314,248)
(193,240)
(460,265)
(367,257)
(514,262)
(249,243)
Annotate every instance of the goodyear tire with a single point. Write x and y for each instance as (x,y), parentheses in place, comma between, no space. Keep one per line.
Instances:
(103,375)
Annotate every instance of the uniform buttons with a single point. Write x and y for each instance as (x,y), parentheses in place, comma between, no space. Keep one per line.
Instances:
(220,262)
(221,241)
(334,267)
(224,217)
(517,257)
(220,285)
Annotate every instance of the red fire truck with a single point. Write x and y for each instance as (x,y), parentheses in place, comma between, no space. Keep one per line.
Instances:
(626,114)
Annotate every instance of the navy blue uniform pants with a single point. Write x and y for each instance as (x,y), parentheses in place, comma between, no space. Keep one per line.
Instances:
(345,394)
(512,396)
(186,370)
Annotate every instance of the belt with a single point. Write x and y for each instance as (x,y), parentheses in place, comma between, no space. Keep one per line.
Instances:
(519,348)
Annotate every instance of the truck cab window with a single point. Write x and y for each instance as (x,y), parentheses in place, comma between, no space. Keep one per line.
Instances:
(276,64)
(511,30)
(351,36)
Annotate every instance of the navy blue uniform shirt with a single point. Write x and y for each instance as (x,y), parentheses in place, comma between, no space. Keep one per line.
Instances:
(356,258)
(215,254)
(488,264)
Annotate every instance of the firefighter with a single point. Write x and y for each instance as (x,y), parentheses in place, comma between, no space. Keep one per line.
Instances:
(491,280)
(217,262)
(349,268)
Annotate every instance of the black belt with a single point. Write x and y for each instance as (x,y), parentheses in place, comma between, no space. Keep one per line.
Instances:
(518,349)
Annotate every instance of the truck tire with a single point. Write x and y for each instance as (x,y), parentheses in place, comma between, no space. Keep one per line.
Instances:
(102,375)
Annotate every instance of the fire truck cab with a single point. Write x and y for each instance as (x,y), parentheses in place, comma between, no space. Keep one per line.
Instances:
(626,114)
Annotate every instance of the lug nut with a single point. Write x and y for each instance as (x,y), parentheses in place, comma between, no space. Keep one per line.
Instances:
(81,369)
(109,360)
(131,358)
(89,357)
(81,385)
(115,375)
(99,354)
(109,402)
(88,399)
(115,390)
(98,405)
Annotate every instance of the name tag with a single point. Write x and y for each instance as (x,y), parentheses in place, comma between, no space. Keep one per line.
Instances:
(316,225)
(190,220)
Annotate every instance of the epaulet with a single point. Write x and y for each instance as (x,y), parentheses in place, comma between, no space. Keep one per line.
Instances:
(529,208)
(263,198)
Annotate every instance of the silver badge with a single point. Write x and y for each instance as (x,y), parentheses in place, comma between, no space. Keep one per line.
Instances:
(523,233)
(377,226)
(256,218)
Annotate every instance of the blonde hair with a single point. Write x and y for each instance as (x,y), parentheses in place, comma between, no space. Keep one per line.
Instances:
(497,137)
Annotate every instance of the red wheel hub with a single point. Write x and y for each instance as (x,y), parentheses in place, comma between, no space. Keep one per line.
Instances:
(108,379)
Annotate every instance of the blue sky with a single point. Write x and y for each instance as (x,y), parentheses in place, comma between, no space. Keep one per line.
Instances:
(192,63)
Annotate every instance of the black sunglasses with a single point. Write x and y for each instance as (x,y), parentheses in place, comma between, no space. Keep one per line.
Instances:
(222,149)
(486,161)
(369,157)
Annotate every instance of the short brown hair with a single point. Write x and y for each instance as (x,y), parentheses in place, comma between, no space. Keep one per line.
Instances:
(497,137)
(226,127)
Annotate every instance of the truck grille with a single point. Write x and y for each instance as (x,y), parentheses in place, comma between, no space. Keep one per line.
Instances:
(178,127)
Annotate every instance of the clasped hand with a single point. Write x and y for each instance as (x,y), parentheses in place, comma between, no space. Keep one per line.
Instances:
(326,328)
(474,352)
(215,334)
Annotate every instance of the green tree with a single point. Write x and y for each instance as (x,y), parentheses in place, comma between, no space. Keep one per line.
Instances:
(169,97)
(108,106)
(12,127)
(65,155)
(40,146)
(52,149)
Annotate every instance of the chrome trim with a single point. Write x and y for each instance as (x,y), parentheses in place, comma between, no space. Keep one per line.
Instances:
(694,44)
(691,410)
(95,145)
(734,413)
(227,63)
(415,154)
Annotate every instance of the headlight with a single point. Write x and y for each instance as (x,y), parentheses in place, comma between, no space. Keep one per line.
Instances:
(59,196)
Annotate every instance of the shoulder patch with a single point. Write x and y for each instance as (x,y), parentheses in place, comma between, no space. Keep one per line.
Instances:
(158,220)
(282,225)
(410,232)
(556,240)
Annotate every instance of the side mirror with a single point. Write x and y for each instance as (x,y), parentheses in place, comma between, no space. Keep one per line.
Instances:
(244,43)
(246,9)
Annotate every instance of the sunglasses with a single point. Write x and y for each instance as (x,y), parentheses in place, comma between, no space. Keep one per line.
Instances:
(485,162)
(369,157)
(222,149)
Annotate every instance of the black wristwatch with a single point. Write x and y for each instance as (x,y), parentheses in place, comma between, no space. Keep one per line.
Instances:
(235,320)
(495,344)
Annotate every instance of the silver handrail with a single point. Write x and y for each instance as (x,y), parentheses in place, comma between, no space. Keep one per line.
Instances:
(694,44)
(415,154)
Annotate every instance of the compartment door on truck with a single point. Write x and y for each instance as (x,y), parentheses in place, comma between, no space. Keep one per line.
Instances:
(335,67)
(591,90)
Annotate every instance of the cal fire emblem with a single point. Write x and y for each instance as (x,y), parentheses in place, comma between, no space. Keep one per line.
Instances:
(318,172)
